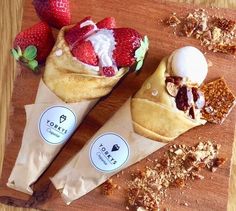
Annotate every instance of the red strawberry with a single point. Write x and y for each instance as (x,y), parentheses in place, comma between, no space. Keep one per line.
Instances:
(84,52)
(107,23)
(78,25)
(77,34)
(108,71)
(127,42)
(55,12)
(36,42)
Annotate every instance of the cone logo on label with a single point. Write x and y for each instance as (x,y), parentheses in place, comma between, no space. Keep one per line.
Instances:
(50,124)
(109,152)
(62,118)
(115,147)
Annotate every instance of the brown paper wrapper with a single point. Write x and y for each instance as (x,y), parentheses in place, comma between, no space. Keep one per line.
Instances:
(79,176)
(69,86)
(35,153)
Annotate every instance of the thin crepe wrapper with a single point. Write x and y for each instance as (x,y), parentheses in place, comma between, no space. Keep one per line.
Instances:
(79,176)
(35,154)
(163,121)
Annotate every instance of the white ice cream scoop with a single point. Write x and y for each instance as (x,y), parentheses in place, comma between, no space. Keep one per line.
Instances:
(190,63)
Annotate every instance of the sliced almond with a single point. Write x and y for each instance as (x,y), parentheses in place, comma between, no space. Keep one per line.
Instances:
(172,89)
(200,101)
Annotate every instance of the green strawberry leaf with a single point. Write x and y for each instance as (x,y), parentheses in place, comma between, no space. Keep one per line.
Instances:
(140,52)
(30,53)
(15,54)
(19,50)
(33,65)
(139,65)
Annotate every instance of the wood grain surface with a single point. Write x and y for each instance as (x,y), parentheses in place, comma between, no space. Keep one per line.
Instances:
(10,21)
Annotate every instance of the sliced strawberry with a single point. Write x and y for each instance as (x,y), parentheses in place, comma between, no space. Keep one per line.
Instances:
(84,52)
(55,12)
(127,42)
(108,71)
(39,36)
(77,34)
(107,23)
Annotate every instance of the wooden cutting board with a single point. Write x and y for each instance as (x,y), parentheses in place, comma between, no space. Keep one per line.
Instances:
(208,194)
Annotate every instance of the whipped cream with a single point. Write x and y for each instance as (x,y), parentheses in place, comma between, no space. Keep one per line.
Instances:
(188,62)
(104,43)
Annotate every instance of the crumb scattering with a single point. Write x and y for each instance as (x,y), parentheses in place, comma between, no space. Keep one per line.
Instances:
(108,187)
(216,33)
(181,163)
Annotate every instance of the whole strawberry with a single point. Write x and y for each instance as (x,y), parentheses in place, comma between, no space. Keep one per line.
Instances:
(106,23)
(33,45)
(127,41)
(55,12)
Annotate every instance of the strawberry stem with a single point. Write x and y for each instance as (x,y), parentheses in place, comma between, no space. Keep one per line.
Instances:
(140,53)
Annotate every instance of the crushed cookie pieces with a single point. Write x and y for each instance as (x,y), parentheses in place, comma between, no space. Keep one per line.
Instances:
(108,187)
(219,100)
(215,33)
(181,163)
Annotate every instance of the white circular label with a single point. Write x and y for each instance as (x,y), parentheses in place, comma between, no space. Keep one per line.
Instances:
(57,124)
(109,152)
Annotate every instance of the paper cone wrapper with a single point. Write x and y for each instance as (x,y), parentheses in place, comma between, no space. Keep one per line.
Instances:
(49,124)
(68,90)
(114,147)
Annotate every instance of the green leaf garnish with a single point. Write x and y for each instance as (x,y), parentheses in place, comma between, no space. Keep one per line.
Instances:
(139,65)
(15,54)
(33,65)
(140,52)
(30,53)
(19,50)
(27,58)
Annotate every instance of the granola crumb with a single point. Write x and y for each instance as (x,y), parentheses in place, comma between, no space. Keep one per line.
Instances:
(148,188)
(217,34)
(108,187)
(185,204)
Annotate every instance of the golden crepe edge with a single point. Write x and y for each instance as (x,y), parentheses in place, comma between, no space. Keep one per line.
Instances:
(154,113)
(72,80)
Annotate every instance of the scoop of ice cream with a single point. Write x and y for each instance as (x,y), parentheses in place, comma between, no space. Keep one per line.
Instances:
(190,63)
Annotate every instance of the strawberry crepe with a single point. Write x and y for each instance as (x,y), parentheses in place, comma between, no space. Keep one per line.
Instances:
(85,63)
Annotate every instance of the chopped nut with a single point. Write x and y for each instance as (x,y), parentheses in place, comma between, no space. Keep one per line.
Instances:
(108,187)
(216,34)
(219,162)
(173,21)
(185,204)
(179,152)
(172,89)
(180,163)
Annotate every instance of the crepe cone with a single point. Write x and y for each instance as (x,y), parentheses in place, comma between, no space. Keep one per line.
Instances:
(163,121)
(67,86)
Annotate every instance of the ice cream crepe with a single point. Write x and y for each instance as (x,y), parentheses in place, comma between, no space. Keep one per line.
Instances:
(163,121)
(71,86)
